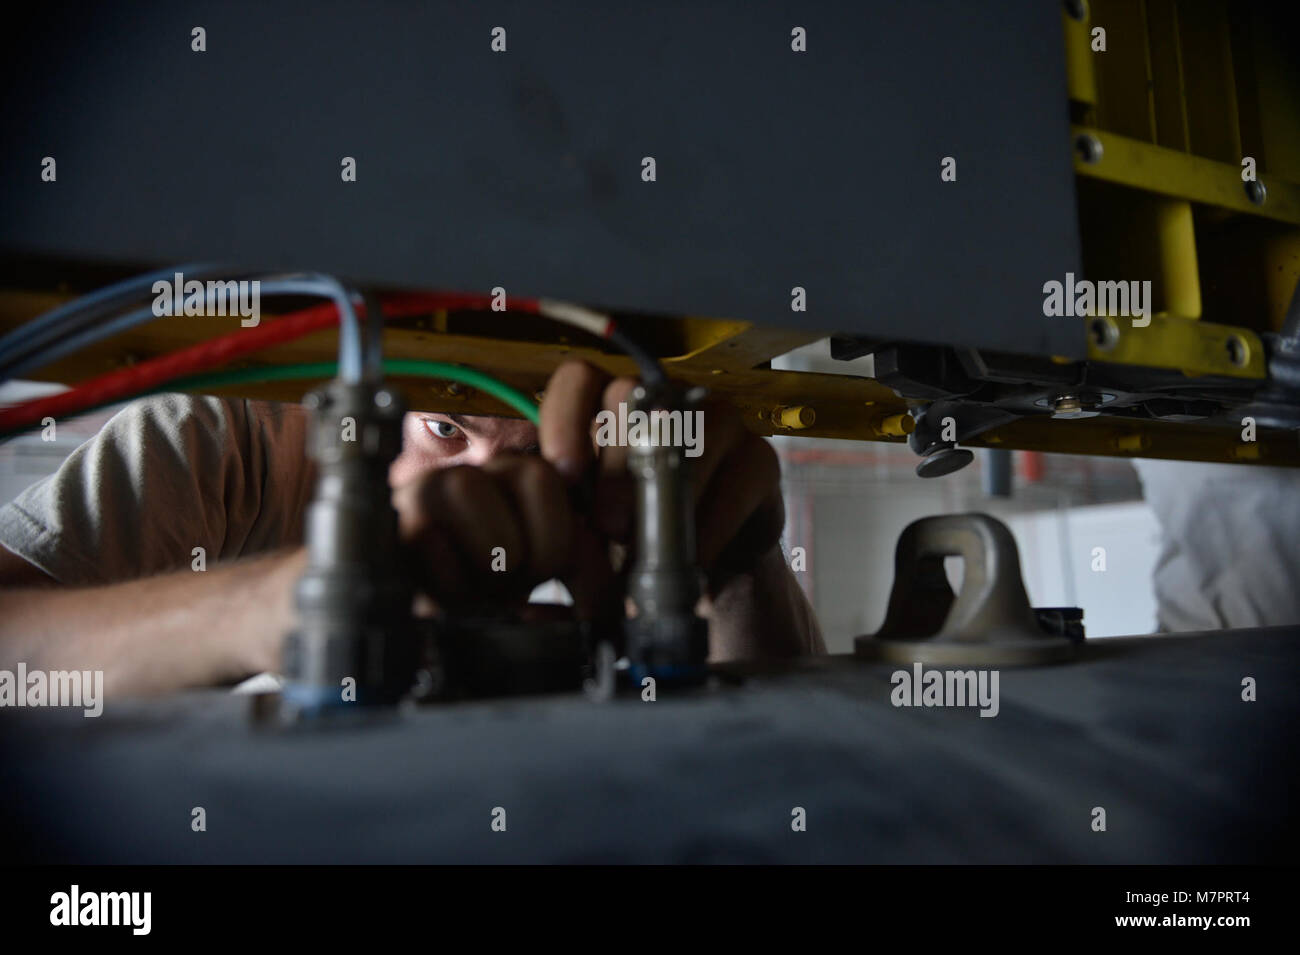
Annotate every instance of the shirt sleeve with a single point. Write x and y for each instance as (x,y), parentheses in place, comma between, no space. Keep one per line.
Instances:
(1230,544)
(164,476)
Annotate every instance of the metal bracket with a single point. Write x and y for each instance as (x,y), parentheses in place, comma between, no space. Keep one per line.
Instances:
(990,623)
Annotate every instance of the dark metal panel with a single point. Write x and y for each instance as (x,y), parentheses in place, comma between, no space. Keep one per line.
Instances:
(522,169)
(1154,730)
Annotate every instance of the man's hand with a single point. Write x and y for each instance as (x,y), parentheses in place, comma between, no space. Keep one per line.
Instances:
(739,512)
(483,537)
(754,605)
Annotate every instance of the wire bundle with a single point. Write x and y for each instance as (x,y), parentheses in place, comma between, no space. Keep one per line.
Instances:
(82,322)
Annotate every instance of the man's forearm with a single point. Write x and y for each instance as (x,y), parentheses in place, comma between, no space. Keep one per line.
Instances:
(763,614)
(158,633)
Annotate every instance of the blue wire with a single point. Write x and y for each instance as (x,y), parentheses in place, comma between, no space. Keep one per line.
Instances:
(41,330)
(350,357)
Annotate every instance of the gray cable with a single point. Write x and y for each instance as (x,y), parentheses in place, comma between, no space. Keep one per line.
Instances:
(350,354)
(87,308)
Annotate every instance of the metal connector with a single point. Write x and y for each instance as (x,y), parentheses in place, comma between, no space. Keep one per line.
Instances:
(666,640)
(356,644)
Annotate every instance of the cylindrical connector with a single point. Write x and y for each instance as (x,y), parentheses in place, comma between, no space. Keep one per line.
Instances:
(665,640)
(355,643)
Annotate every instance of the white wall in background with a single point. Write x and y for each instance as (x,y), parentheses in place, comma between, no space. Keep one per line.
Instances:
(1057,558)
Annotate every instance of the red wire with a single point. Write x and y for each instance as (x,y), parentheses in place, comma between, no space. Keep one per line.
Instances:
(148,375)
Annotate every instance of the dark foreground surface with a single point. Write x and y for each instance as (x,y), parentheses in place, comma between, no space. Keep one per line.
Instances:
(1153,730)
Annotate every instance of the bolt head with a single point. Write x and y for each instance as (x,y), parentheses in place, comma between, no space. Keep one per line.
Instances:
(1068,407)
(1089,148)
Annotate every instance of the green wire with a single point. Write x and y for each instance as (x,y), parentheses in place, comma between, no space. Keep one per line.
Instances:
(327,369)
(392,366)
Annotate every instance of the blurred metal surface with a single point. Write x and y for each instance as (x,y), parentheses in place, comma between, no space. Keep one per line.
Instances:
(523,169)
(1153,729)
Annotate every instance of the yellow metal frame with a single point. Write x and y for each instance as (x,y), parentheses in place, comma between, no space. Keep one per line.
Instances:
(1180,344)
(728,357)
(1168,172)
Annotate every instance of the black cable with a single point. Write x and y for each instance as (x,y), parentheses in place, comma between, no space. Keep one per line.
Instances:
(652,373)
(374,354)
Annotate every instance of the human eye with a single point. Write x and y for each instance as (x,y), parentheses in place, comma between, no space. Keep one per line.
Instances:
(441,429)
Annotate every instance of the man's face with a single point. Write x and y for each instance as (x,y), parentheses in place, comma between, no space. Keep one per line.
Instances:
(433,440)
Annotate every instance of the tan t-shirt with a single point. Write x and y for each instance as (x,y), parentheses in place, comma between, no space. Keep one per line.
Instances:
(165,475)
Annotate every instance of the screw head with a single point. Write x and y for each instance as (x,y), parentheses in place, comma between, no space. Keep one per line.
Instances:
(1238,353)
(1089,148)
(1104,332)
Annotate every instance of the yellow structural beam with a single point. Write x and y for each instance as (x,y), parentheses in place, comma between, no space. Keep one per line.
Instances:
(1180,344)
(1170,172)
